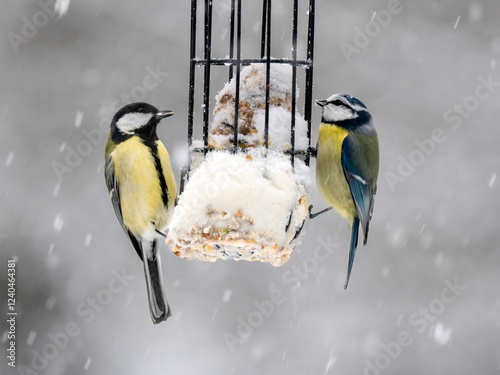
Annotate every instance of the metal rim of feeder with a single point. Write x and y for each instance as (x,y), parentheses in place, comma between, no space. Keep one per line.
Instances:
(235,63)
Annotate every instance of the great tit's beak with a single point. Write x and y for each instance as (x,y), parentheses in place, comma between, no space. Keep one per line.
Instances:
(164,114)
(321,103)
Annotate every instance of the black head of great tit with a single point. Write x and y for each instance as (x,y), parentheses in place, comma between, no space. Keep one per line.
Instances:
(142,189)
(347,163)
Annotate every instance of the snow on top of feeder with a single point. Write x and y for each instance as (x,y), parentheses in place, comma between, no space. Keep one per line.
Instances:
(251,115)
(253,83)
(252,204)
(244,206)
(279,128)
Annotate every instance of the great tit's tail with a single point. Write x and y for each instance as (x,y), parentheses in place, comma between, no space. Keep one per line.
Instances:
(158,305)
(352,248)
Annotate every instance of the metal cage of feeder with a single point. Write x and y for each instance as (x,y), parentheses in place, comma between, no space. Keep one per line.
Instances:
(234,63)
(249,205)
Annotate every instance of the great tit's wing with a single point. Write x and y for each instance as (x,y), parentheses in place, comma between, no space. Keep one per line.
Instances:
(114,193)
(113,188)
(358,177)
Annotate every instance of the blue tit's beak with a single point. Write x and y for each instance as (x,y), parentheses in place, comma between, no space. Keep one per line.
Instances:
(164,114)
(321,103)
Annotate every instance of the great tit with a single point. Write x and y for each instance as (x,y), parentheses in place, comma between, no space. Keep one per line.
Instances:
(347,163)
(142,189)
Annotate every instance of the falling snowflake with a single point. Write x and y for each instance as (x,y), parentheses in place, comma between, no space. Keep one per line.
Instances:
(31,338)
(442,334)
(78,118)
(492,180)
(88,239)
(10,157)
(330,364)
(214,315)
(227,295)
(58,223)
(56,189)
(61,7)
(50,303)
(87,363)
(476,12)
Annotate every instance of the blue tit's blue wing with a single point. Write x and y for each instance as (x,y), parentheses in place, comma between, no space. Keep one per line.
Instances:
(358,176)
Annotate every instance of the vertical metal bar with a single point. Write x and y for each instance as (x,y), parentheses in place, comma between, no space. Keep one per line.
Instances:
(309,76)
(263,33)
(231,40)
(206,78)
(237,83)
(294,79)
(268,72)
(192,66)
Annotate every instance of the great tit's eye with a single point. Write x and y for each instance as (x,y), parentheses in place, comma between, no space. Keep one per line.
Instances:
(141,110)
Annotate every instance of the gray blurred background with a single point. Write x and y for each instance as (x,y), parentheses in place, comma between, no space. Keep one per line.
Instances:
(424,296)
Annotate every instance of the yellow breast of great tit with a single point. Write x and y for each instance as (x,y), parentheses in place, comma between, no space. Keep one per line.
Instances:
(329,172)
(141,199)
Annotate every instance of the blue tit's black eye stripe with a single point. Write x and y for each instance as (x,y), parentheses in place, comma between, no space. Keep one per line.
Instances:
(354,123)
(340,103)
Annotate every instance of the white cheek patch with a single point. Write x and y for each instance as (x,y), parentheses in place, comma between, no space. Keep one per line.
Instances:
(358,108)
(332,113)
(132,121)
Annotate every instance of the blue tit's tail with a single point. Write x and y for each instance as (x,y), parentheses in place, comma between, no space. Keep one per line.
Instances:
(352,248)
(158,305)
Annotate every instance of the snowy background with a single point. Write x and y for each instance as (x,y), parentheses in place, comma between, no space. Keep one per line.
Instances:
(424,295)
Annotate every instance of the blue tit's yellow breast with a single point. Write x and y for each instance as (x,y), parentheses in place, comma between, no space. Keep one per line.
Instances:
(140,192)
(329,172)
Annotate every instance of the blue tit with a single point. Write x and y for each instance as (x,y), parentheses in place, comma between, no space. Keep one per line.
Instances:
(347,163)
(143,191)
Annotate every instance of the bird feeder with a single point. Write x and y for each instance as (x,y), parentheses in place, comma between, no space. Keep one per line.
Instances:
(244,191)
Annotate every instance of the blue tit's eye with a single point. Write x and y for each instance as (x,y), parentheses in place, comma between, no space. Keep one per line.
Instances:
(339,103)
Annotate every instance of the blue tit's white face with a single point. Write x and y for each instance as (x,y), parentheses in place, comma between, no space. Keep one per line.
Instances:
(130,122)
(341,107)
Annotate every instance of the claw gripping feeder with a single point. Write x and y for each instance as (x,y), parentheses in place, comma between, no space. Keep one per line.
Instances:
(244,191)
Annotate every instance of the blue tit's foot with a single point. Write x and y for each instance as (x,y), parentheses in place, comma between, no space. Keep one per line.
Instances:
(312,216)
